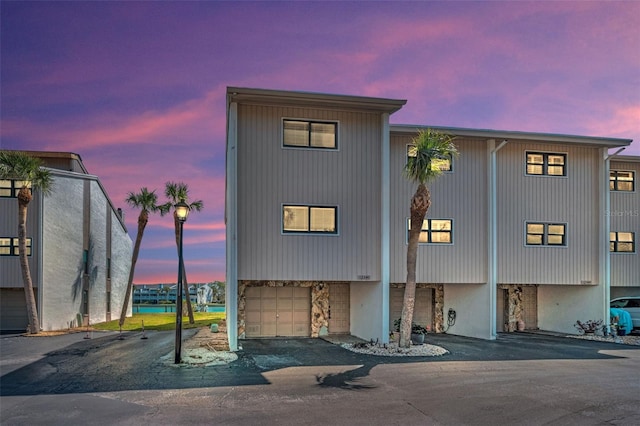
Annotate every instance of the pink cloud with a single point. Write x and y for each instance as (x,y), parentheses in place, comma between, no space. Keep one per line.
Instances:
(195,120)
(195,275)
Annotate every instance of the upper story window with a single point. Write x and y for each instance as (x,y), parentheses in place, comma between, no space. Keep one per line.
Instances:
(621,180)
(434,231)
(10,246)
(546,164)
(622,242)
(10,188)
(546,234)
(309,219)
(445,165)
(309,134)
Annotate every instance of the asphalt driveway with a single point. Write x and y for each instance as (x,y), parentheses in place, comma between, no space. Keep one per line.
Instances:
(517,379)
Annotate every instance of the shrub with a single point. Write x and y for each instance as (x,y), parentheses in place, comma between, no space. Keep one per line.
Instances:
(590,326)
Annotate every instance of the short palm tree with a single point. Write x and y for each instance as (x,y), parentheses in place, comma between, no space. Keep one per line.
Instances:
(431,149)
(179,192)
(27,171)
(147,201)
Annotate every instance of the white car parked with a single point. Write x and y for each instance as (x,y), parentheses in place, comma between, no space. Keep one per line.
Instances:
(630,304)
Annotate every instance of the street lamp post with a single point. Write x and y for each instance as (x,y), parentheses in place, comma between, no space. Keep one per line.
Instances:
(182,211)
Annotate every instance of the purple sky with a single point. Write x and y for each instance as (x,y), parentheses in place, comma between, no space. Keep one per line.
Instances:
(138,88)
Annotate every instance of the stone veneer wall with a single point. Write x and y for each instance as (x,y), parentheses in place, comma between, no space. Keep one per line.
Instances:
(438,299)
(319,302)
(515,306)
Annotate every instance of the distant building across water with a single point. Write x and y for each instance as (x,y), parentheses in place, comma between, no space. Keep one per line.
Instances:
(199,293)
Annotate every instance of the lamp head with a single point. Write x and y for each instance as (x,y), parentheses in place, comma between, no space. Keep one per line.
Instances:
(182,211)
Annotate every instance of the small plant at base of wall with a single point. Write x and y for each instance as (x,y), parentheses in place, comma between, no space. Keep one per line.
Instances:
(588,327)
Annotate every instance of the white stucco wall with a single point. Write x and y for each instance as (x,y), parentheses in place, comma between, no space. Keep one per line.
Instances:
(367,311)
(121,251)
(97,255)
(61,284)
(471,303)
(559,307)
(62,259)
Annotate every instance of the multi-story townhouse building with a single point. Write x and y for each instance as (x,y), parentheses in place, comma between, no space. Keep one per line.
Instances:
(317,220)
(79,250)
(624,216)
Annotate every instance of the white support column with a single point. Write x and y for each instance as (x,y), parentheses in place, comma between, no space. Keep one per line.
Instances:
(231,220)
(492,252)
(385,222)
(40,260)
(603,238)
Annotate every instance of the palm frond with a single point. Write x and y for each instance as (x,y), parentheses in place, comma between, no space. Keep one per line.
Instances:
(145,200)
(179,192)
(430,147)
(23,167)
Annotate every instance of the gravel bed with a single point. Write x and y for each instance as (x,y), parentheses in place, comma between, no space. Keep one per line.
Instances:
(392,349)
(633,340)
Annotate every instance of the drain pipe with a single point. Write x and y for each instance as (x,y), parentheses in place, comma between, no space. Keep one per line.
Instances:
(605,229)
(231,221)
(492,279)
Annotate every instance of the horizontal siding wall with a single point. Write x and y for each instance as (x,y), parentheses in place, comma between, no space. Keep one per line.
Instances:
(10,271)
(270,176)
(625,217)
(461,196)
(572,200)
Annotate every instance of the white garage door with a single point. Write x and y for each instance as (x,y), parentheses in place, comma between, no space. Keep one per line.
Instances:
(13,310)
(277,311)
(423,311)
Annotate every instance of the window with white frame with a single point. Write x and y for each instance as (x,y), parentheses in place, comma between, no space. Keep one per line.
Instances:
(309,134)
(434,231)
(444,164)
(10,246)
(620,180)
(546,234)
(622,242)
(309,219)
(546,164)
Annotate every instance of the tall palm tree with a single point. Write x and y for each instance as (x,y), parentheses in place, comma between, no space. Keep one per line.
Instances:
(147,201)
(431,149)
(27,172)
(179,192)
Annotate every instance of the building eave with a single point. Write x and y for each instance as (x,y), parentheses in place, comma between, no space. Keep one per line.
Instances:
(307,99)
(515,136)
(621,158)
(55,155)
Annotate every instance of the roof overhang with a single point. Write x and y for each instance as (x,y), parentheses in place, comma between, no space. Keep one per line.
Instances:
(626,158)
(515,136)
(312,99)
(58,155)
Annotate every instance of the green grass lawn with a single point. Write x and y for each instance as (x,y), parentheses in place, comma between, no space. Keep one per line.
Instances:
(162,321)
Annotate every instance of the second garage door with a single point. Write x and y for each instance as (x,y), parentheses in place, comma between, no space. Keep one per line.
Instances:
(277,311)
(13,309)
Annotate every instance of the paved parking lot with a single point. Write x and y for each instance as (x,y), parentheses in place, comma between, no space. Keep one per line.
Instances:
(517,379)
